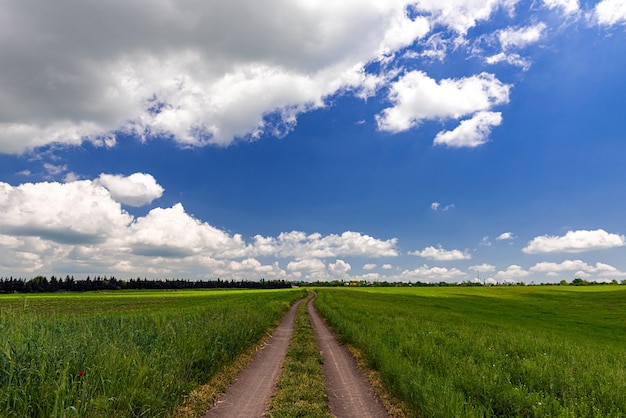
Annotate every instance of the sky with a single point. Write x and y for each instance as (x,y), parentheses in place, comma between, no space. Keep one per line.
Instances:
(437,140)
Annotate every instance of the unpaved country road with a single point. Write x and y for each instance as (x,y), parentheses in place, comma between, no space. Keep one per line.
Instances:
(349,392)
(249,395)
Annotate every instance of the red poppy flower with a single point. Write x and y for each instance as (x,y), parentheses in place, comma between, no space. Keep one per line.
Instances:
(81,373)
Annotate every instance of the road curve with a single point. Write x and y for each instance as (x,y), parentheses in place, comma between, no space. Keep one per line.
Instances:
(350,395)
(250,394)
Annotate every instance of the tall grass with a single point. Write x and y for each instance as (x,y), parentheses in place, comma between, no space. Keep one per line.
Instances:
(526,352)
(133,355)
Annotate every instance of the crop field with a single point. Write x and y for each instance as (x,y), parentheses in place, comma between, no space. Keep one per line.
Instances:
(555,351)
(123,354)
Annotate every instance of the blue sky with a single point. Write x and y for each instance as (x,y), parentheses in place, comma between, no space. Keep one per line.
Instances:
(396,140)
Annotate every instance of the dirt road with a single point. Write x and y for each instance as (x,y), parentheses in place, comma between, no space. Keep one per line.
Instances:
(249,395)
(349,392)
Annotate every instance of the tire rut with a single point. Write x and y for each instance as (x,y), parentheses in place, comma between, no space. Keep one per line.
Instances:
(350,394)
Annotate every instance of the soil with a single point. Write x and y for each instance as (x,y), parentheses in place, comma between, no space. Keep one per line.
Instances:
(348,390)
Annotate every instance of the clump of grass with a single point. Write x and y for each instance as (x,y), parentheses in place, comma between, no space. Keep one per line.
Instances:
(301,388)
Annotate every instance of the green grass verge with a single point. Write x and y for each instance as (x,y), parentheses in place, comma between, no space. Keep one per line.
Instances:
(301,389)
(123,355)
(474,352)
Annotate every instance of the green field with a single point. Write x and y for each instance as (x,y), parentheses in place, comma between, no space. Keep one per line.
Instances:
(539,351)
(123,354)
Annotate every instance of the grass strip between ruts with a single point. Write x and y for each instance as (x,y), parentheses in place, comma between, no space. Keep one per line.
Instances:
(300,388)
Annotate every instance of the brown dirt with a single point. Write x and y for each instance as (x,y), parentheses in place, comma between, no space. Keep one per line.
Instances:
(249,395)
(349,392)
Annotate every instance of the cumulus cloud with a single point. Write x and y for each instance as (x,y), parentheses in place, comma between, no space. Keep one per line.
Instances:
(575,265)
(610,12)
(79,227)
(302,245)
(483,267)
(339,268)
(168,68)
(430,274)
(71,213)
(441,254)
(471,132)
(416,97)
(512,273)
(369,266)
(574,242)
(307,265)
(138,189)
(171,232)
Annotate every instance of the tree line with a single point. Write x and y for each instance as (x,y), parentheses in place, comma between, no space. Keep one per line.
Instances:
(69,284)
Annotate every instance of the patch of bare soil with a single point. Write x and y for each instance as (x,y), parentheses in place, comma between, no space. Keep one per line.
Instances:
(349,392)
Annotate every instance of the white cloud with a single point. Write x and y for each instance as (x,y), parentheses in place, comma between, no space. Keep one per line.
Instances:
(510,58)
(54,170)
(417,97)
(471,132)
(505,236)
(437,206)
(512,272)
(369,266)
(299,244)
(430,274)
(577,268)
(462,15)
(169,69)
(71,213)
(441,254)
(138,189)
(387,266)
(311,264)
(567,6)
(574,241)
(171,232)
(515,38)
(339,268)
(611,12)
(78,227)
(483,267)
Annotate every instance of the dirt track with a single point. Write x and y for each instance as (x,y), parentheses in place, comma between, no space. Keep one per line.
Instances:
(249,395)
(349,392)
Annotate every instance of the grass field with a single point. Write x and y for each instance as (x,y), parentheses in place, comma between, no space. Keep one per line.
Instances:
(123,354)
(502,351)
